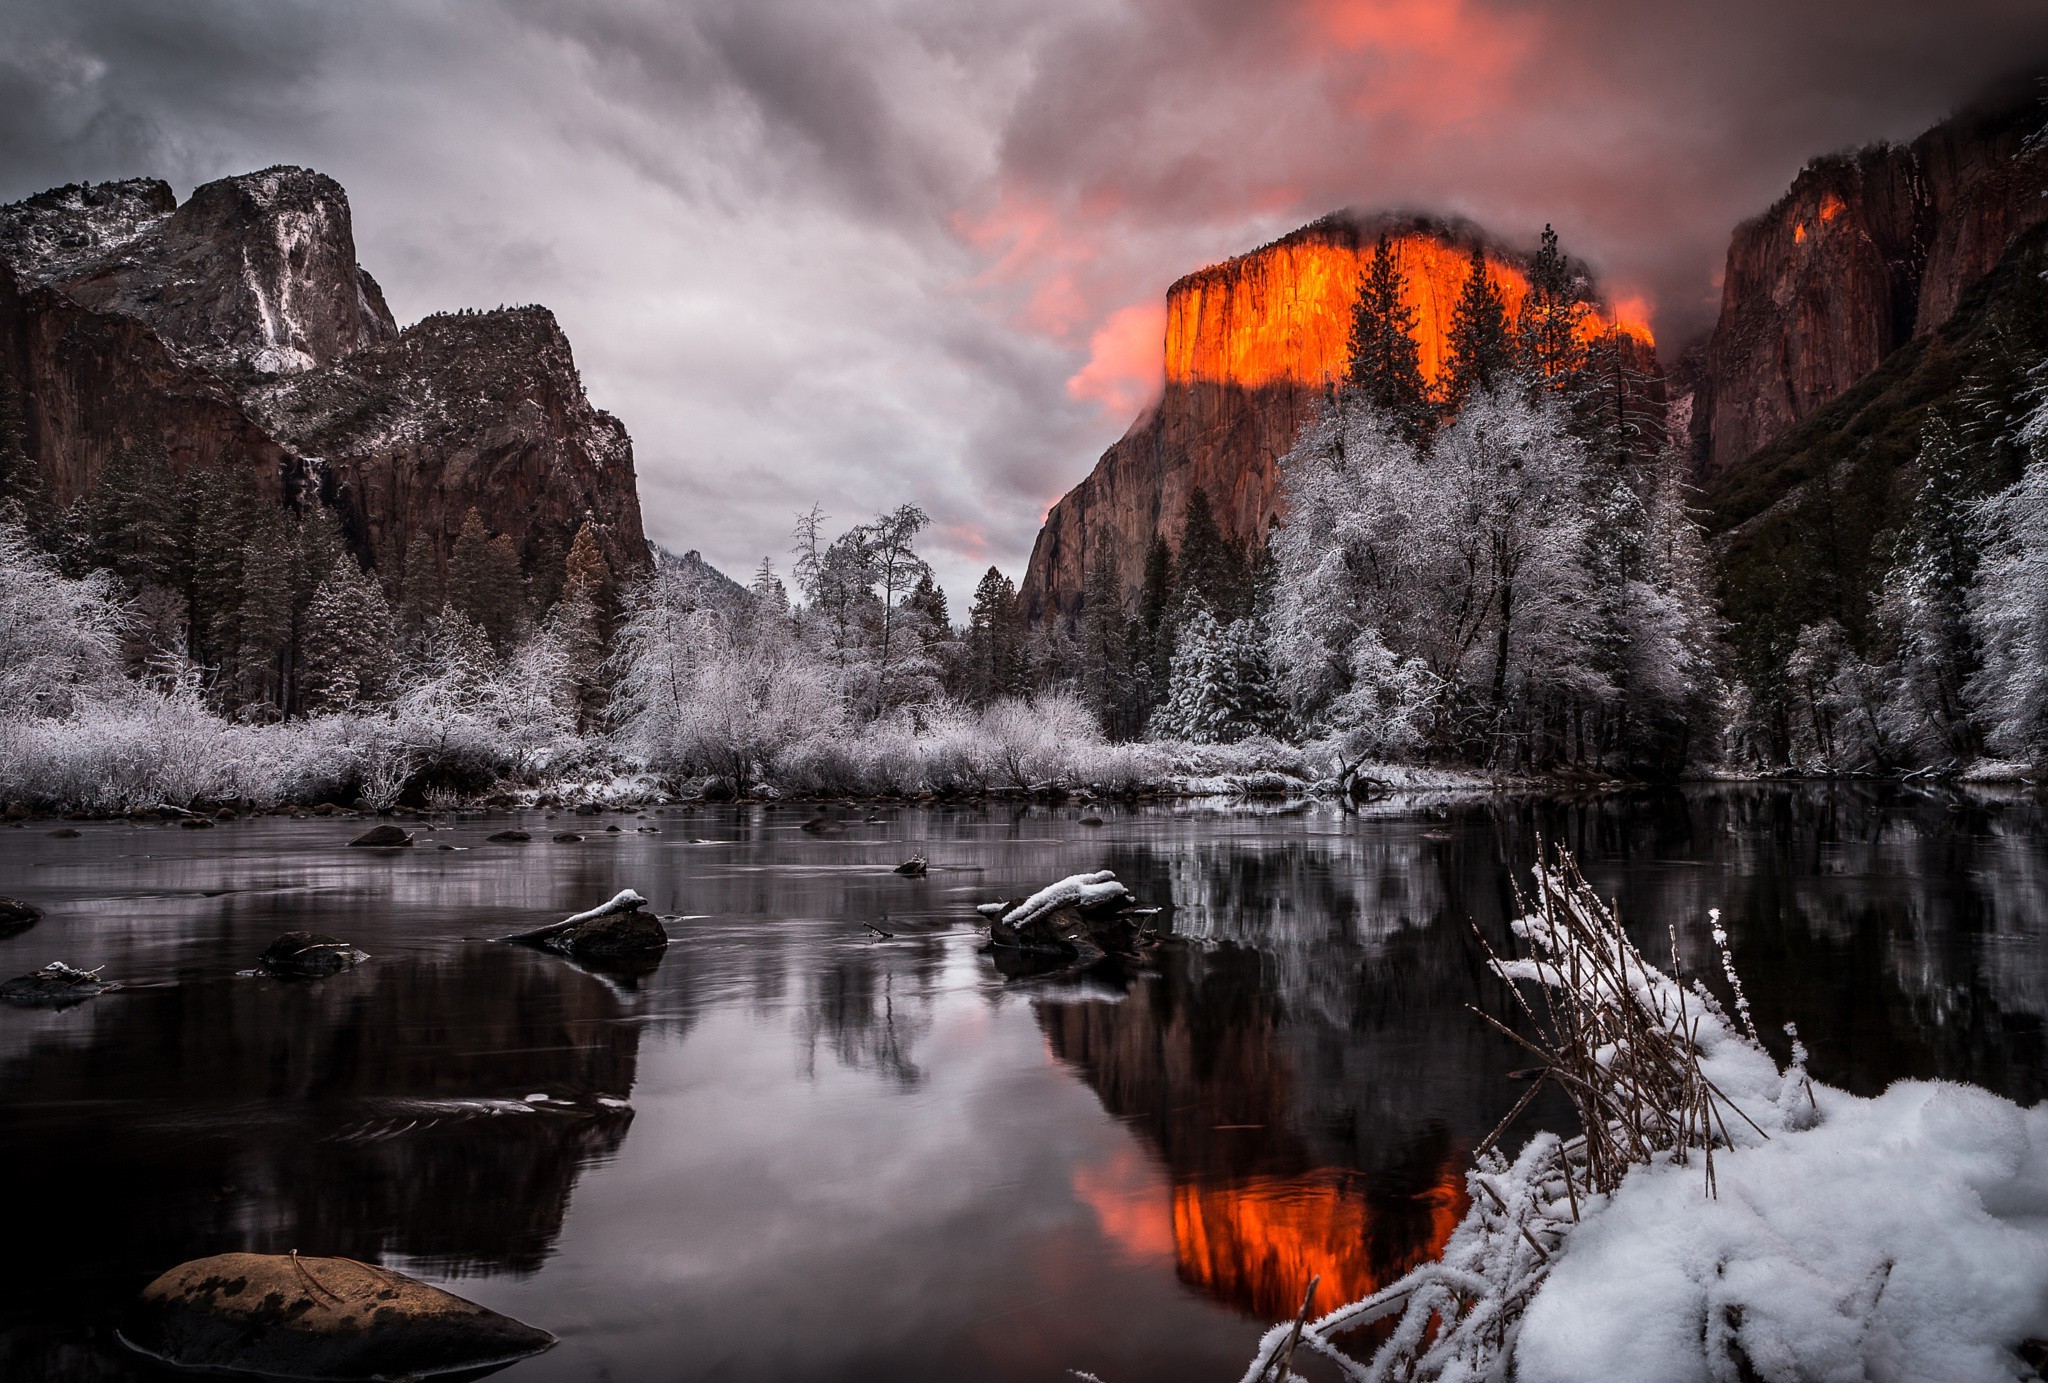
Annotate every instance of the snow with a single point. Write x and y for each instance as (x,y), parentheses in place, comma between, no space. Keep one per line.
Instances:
(625,900)
(1077,890)
(1904,1237)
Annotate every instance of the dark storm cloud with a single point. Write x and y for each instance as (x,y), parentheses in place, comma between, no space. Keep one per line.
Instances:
(860,251)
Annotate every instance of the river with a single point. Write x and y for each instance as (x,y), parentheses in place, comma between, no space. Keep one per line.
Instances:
(798,1150)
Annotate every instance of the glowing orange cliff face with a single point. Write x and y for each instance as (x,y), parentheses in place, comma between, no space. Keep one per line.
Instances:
(1283,314)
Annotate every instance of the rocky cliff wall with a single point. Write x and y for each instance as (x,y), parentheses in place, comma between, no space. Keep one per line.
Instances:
(1866,252)
(238,329)
(1251,346)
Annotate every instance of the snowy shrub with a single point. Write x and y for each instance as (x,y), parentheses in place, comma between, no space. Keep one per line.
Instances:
(59,638)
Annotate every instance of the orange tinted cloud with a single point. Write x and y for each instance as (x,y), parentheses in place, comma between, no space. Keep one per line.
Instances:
(1132,1204)
(1123,370)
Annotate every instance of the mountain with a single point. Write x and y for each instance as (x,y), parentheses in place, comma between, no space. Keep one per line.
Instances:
(238,330)
(1251,347)
(1866,252)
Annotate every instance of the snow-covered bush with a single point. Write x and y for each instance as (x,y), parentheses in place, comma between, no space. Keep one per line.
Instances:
(1717,1217)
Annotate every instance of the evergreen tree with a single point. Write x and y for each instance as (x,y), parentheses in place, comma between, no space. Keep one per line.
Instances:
(1199,704)
(581,623)
(347,642)
(995,664)
(420,589)
(485,582)
(226,511)
(1927,604)
(1209,569)
(1616,408)
(1105,652)
(264,616)
(132,517)
(1548,328)
(1481,352)
(21,484)
(1152,628)
(1386,364)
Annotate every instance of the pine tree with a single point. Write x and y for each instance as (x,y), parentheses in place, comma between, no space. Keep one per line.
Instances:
(1481,352)
(347,640)
(1152,630)
(995,663)
(226,511)
(131,517)
(420,590)
(1386,364)
(1196,704)
(1927,602)
(264,615)
(21,484)
(1105,652)
(1548,328)
(485,582)
(582,622)
(1616,409)
(1209,569)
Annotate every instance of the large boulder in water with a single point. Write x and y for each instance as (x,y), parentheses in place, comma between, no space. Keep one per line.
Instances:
(383,836)
(282,1315)
(17,916)
(1081,919)
(56,985)
(309,955)
(617,928)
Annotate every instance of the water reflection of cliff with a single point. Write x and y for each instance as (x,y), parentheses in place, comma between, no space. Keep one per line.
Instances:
(1267,1181)
(382,1115)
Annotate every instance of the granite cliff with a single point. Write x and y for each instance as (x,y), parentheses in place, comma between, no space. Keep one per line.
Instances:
(237,329)
(1867,251)
(1251,347)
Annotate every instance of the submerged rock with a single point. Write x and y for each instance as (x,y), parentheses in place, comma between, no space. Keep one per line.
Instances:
(64,833)
(509,837)
(310,955)
(566,837)
(1081,919)
(915,867)
(17,916)
(617,928)
(384,836)
(331,1318)
(56,985)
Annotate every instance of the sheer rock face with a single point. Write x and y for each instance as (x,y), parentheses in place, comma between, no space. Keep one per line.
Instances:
(1867,251)
(238,329)
(1251,347)
(482,410)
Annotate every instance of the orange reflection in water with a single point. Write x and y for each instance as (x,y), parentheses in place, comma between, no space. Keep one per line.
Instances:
(1283,314)
(1258,1242)
(1255,1242)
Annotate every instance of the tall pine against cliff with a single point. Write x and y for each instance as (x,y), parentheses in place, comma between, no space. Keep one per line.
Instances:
(1547,329)
(1481,354)
(1385,367)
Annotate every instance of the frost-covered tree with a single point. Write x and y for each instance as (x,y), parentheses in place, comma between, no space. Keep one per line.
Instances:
(2009,616)
(60,636)
(1838,699)
(1220,689)
(348,640)
(1925,609)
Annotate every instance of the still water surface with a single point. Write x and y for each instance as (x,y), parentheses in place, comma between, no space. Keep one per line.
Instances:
(796,1151)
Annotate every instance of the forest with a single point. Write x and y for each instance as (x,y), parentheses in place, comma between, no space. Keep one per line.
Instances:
(1497,573)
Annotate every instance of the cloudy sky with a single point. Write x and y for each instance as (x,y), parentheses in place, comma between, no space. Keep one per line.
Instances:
(859,252)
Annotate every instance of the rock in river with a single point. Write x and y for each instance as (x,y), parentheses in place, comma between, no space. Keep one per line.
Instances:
(56,985)
(309,955)
(1082,919)
(384,835)
(283,1315)
(509,837)
(617,928)
(17,916)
